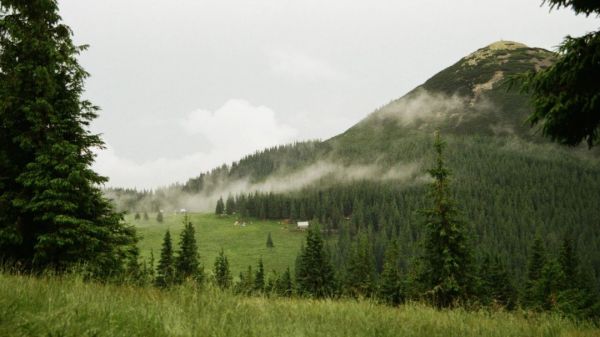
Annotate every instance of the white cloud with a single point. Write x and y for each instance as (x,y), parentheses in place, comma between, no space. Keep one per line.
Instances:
(233,130)
(302,67)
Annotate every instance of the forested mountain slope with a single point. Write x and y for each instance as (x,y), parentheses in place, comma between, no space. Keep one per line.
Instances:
(511,184)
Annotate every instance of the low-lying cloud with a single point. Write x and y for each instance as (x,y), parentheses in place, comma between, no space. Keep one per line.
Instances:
(235,129)
(324,173)
(423,106)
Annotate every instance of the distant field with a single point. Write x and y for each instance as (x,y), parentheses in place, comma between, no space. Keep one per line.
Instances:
(242,245)
(68,307)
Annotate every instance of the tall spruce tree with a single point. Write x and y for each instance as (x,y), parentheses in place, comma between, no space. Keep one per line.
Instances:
(165,271)
(187,262)
(447,266)
(52,211)
(270,241)
(314,273)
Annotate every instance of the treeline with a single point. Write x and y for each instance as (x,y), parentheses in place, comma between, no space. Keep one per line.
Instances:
(378,245)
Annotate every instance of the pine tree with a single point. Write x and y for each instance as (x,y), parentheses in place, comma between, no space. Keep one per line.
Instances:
(159,217)
(537,260)
(137,216)
(270,241)
(151,269)
(565,96)
(259,277)
(230,205)
(187,263)
(52,211)
(246,283)
(314,273)
(221,271)
(283,285)
(146,217)
(166,264)
(447,258)
(220,207)
(390,289)
(495,286)
(360,276)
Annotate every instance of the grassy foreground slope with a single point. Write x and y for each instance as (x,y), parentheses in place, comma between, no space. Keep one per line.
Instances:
(69,307)
(243,246)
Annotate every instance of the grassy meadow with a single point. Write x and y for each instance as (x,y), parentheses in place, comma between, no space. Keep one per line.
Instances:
(67,306)
(243,246)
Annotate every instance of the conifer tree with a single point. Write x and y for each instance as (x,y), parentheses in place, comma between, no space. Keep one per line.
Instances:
(146,217)
(259,277)
(314,273)
(283,285)
(165,271)
(230,205)
(246,283)
(221,271)
(447,268)
(390,289)
(151,269)
(52,211)
(220,209)
(360,276)
(159,217)
(270,241)
(537,260)
(137,216)
(187,263)
(495,286)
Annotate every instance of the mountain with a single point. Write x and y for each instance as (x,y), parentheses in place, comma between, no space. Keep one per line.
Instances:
(512,185)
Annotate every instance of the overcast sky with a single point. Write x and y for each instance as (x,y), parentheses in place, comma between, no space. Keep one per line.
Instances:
(187,85)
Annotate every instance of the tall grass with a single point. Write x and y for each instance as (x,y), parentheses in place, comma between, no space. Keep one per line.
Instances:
(68,306)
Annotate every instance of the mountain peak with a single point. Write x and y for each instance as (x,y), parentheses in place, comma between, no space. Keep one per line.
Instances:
(505,45)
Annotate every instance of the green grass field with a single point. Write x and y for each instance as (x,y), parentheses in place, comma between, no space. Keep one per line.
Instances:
(242,245)
(67,306)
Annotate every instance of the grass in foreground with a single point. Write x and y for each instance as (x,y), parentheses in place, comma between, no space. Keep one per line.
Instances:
(69,307)
(242,245)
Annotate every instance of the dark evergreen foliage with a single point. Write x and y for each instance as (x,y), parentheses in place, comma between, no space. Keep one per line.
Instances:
(159,216)
(537,260)
(284,285)
(259,277)
(495,286)
(221,271)
(314,272)
(447,265)
(566,95)
(220,209)
(165,271)
(361,274)
(270,241)
(52,212)
(187,262)
(390,286)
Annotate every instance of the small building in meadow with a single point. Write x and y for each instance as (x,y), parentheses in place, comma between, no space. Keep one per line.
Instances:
(302,225)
